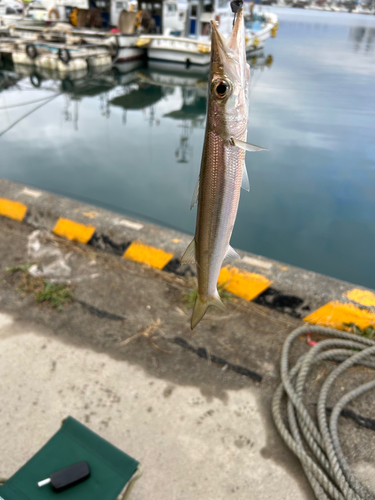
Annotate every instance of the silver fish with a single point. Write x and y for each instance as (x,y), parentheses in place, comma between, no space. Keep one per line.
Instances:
(223,169)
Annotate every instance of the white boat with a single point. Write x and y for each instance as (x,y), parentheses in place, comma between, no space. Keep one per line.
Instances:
(193,46)
(12,11)
(263,25)
(360,9)
(109,24)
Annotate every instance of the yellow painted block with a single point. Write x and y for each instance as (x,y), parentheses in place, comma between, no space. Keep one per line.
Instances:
(152,256)
(242,283)
(12,209)
(335,314)
(363,297)
(73,230)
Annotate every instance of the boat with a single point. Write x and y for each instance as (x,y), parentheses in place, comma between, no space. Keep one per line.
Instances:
(362,9)
(110,25)
(193,45)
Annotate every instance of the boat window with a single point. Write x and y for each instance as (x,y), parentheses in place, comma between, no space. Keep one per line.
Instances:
(222,3)
(205,31)
(193,11)
(172,7)
(118,5)
(208,7)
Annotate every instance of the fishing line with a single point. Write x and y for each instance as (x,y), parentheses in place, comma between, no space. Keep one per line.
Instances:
(28,114)
(46,101)
(28,102)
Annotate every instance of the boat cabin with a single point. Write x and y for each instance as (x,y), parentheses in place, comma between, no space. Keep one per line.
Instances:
(160,17)
(199,15)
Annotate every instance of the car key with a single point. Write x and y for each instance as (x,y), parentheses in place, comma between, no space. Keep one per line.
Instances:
(67,477)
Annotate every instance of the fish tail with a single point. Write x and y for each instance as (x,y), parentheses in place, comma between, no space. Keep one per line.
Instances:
(201,306)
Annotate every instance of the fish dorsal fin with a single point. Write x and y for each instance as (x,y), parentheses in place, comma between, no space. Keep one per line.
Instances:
(189,255)
(195,195)
(231,254)
(245,179)
(246,145)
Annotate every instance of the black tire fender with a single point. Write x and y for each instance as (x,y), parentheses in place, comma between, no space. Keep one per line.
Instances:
(64,55)
(35,80)
(31,51)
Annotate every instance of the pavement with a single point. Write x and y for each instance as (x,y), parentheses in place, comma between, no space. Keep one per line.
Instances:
(192,407)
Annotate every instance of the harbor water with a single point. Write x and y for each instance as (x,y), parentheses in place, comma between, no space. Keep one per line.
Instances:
(130,139)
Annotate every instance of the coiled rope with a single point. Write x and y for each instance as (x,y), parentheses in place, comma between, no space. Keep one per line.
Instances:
(317,445)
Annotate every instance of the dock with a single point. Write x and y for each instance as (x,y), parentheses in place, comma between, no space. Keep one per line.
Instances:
(193,407)
(66,49)
(56,51)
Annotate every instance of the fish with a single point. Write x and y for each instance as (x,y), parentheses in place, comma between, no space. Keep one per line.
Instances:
(223,170)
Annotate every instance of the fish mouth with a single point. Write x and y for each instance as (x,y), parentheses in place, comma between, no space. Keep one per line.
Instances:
(238,32)
(219,48)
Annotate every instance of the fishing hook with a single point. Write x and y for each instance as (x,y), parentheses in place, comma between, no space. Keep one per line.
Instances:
(236,6)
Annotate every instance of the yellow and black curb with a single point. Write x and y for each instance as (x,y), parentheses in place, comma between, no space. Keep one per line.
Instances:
(302,294)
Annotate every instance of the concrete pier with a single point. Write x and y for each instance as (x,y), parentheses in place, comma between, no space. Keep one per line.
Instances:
(192,407)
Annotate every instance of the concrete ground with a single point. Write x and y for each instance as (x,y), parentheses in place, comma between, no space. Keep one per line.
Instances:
(122,359)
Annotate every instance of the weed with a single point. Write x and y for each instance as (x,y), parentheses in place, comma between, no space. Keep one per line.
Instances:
(44,291)
(31,284)
(56,295)
(22,267)
(368,332)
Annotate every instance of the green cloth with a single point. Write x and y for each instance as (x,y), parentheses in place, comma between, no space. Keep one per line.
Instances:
(111,469)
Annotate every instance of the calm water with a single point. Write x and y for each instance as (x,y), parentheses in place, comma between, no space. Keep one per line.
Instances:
(131,140)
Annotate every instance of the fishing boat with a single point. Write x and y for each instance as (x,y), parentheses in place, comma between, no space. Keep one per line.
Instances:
(115,25)
(193,46)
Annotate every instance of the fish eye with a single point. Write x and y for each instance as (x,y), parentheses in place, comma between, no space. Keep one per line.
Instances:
(221,88)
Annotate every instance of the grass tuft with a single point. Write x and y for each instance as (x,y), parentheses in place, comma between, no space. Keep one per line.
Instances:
(44,291)
(368,332)
(22,267)
(56,295)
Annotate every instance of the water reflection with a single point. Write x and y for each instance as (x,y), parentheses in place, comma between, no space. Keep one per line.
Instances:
(363,38)
(169,99)
(133,86)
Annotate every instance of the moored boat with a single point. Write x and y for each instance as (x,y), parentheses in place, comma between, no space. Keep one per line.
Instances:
(193,45)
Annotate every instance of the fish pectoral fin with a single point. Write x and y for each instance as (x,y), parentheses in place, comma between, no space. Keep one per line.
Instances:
(246,145)
(231,255)
(245,184)
(195,195)
(201,306)
(189,255)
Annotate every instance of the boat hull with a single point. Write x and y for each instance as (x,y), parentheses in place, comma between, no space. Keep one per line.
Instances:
(181,57)
(129,54)
(190,51)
